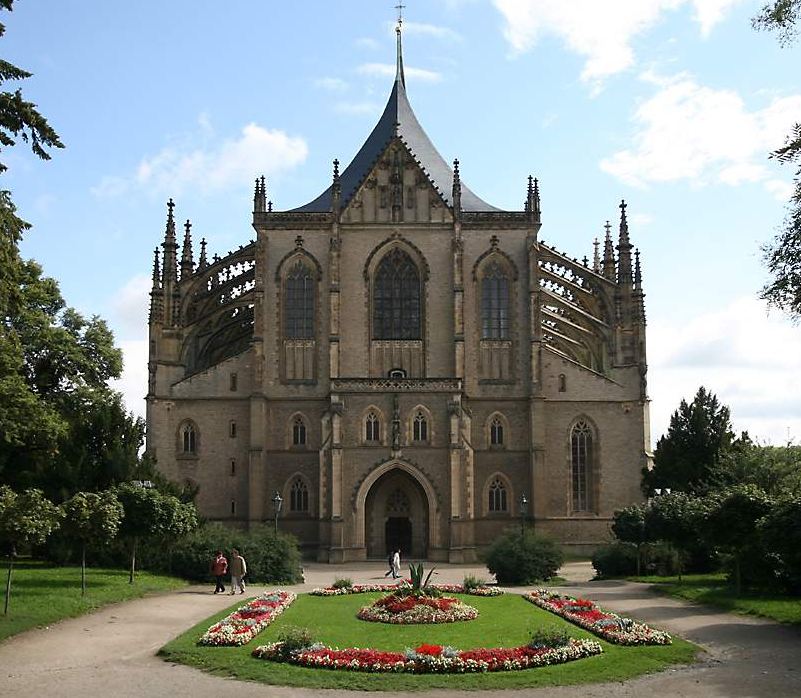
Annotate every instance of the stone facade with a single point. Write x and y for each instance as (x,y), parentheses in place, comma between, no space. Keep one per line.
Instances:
(402,363)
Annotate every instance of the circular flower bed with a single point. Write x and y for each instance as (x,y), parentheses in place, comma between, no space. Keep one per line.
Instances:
(430,659)
(413,609)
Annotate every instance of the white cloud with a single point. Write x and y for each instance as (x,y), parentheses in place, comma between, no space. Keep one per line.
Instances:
(430,31)
(357,108)
(388,70)
(133,382)
(602,32)
(130,304)
(367,43)
(331,84)
(641,219)
(781,189)
(761,383)
(689,131)
(211,167)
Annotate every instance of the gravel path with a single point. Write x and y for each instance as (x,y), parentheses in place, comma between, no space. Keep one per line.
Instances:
(111,652)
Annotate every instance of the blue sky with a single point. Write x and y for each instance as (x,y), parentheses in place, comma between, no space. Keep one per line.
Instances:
(670,104)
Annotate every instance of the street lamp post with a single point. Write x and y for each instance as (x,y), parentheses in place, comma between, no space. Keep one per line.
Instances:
(277,504)
(523,512)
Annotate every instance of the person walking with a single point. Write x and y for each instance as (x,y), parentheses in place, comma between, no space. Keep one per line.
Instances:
(390,568)
(219,568)
(396,564)
(239,569)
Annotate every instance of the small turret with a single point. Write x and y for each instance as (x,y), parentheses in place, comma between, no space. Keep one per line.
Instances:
(639,296)
(336,190)
(260,195)
(533,200)
(202,262)
(623,249)
(156,294)
(609,254)
(170,246)
(456,193)
(596,256)
(187,260)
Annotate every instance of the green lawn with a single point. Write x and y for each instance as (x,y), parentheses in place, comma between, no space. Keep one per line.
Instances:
(504,621)
(714,590)
(41,595)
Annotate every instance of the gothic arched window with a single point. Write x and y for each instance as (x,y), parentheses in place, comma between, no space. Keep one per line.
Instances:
(298,431)
(581,463)
(496,432)
(189,440)
(494,303)
(396,298)
(298,496)
(420,427)
(372,428)
(299,302)
(497,496)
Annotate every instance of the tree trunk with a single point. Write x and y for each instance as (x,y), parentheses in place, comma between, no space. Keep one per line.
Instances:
(133,562)
(83,569)
(8,582)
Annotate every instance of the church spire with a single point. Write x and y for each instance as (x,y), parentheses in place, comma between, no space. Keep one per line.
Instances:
(399,77)
(170,246)
(623,249)
(456,193)
(609,254)
(187,260)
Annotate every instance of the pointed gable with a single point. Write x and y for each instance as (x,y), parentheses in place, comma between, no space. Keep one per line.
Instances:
(397,121)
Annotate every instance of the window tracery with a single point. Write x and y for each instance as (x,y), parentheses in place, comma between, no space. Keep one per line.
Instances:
(498,500)
(494,303)
(298,431)
(299,496)
(581,454)
(372,428)
(420,427)
(299,290)
(396,298)
(496,432)
(189,439)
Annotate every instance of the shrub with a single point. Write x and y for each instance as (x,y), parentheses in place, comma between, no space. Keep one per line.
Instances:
(471,582)
(270,559)
(295,639)
(548,636)
(780,532)
(615,560)
(516,559)
(342,583)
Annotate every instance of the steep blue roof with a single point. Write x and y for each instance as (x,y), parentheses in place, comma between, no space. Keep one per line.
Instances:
(398,120)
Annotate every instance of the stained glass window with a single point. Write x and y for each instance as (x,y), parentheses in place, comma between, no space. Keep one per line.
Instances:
(396,298)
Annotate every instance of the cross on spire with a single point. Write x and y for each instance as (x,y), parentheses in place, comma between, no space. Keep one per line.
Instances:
(400,8)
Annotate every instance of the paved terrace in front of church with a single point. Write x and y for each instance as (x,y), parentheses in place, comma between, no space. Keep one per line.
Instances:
(112,652)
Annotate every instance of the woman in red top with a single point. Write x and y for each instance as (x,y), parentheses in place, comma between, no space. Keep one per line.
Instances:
(219,568)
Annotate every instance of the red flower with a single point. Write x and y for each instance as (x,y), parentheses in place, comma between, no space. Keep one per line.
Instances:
(432,650)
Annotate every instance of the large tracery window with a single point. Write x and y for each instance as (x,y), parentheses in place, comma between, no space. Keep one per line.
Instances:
(494,303)
(299,496)
(299,303)
(497,496)
(396,298)
(581,463)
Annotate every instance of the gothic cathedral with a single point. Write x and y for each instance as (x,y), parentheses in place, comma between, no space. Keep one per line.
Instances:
(402,363)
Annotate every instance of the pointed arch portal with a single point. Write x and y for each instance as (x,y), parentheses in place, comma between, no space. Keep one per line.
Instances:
(396,508)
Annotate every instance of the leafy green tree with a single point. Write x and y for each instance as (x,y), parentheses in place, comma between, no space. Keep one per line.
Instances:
(92,516)
(25,519)
(774,469)
(686,458)
(676,519)
(731,524)
(780,532)
(180,520)
(144,516)
(629,527)
(783,254)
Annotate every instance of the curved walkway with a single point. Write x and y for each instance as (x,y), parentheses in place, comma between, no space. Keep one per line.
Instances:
(111,652)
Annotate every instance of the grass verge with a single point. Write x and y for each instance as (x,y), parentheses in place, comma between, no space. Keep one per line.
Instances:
(41,595)
(714,590)
(505,621)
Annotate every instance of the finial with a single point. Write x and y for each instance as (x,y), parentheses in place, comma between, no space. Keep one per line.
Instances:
(269,207)
(637,270)
(456,168)
(596,256)
(202,262)
(456,190)
(399,77)
(260,195)
(170,219)
(536,195)
(336,170)
(156,273)
(609,254)
(187,229)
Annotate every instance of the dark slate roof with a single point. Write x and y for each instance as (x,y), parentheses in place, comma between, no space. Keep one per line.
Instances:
(399,120)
